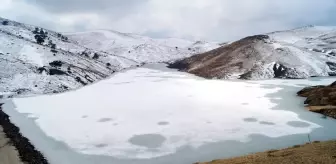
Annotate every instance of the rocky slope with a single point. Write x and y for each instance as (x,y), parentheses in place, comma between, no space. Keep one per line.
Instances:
(40,61)
(321,99)
(299,53)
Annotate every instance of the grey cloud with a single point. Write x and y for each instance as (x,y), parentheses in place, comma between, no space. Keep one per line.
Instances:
(81,6)
(220,20)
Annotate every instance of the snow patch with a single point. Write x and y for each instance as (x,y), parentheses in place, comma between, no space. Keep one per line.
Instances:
(29,54)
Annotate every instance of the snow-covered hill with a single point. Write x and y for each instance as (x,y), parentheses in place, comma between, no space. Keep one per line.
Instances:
(37,61)
(314,38)
(27,67)
(140,48)
(299,53)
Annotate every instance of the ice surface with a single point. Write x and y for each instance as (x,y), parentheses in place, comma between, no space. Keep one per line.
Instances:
(119,118)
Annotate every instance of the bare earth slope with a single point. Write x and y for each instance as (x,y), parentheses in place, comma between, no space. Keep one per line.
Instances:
(286,54)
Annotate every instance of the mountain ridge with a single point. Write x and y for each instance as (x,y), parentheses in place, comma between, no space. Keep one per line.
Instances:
(35,60)
(299,53)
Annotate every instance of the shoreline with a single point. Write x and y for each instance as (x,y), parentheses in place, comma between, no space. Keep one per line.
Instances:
(26,151)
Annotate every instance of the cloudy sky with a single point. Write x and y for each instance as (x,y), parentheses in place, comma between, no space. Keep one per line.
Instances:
(217,20)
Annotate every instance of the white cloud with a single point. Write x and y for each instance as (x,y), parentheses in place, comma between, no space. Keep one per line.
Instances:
(200,19)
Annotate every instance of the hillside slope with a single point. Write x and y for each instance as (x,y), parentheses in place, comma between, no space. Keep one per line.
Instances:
(54,65)
(298,53)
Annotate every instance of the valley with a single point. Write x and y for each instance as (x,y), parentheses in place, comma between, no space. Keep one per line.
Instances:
(69,61)
(103,96)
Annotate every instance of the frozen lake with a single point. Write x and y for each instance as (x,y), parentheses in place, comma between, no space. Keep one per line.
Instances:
(154,115)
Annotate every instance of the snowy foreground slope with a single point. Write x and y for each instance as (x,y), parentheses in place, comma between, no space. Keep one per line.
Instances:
(62,62)
(152,116)
(299,53)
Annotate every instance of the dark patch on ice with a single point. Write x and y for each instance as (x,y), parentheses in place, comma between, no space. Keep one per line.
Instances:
(105,120)
(266,123)
(245,103)
(101,145)
(115,124)
(298,124)
(85,116)
(209,122)
(235,130)
(147,140)
(268,86)
(163,123)
(250,120)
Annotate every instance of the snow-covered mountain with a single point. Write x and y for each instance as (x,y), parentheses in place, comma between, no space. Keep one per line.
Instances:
(299,53)
(31,68)
(140,48)
(36,61)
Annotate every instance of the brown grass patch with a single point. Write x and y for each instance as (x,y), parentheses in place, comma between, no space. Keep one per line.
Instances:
(318,108)
(317,152)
